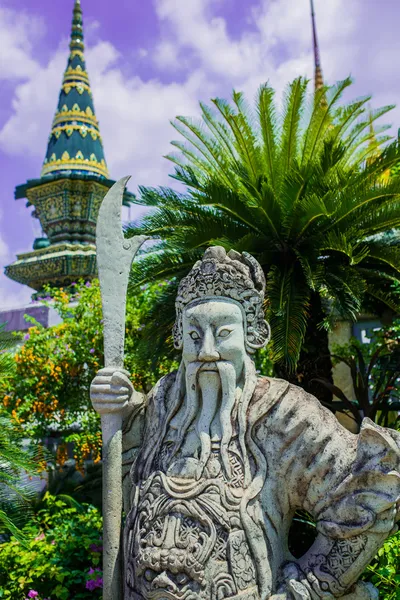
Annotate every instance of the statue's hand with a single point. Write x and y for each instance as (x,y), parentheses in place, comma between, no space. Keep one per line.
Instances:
(302,586)
(111,390)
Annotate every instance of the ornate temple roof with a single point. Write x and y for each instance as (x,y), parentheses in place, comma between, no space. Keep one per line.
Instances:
(73,182)
(75,142)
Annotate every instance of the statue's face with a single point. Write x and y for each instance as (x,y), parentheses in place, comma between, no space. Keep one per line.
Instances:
(213,330)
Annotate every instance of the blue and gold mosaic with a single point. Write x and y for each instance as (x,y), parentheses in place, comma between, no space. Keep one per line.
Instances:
(75,142)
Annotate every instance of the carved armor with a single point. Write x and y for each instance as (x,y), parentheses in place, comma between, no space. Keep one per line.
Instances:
(186,540)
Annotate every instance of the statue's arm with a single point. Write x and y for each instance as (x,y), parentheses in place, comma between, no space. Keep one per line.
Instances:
(112,391)
(332,567)
(354,517)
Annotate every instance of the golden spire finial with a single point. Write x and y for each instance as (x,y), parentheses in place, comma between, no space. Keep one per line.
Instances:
(318,79)
(76,42)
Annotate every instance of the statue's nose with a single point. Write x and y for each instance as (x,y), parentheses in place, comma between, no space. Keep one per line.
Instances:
(163,582)
(208,351)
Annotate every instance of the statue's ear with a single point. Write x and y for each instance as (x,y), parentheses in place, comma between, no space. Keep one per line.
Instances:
(259,334)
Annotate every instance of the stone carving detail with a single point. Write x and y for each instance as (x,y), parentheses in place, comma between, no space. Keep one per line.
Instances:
(217,460)
(343,555)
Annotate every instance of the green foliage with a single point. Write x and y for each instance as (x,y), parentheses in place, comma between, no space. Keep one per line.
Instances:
(16,462)
(47,392)
(384,571)
(305,191)
(375,373)
(145,367)
(61,557)
(7,343)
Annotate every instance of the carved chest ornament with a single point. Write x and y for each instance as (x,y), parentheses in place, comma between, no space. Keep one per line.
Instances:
(187,541)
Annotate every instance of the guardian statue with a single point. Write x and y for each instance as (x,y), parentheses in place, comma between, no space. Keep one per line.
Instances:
(217,460)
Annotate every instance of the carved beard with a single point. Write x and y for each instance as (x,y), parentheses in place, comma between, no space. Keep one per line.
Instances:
(210,397)
(186,398)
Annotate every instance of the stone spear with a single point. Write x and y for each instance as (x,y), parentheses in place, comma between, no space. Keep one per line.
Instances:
(114,258)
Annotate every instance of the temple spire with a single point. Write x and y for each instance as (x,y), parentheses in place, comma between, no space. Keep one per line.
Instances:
(76,42)
(318,79)
(75,142)
(74,180)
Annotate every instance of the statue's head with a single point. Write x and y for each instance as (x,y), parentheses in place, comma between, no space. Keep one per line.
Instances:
(219,325)
(219,309)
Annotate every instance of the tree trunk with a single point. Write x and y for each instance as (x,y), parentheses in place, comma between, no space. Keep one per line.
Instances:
(315,360)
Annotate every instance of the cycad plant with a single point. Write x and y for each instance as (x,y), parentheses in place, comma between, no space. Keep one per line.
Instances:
(302,189)
(16,462)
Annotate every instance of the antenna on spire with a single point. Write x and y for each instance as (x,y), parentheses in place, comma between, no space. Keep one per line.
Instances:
(318,79)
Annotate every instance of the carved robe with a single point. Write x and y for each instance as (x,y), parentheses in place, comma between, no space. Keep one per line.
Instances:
(219,537)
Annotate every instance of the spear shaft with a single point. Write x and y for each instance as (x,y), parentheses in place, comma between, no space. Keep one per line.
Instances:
(114,258)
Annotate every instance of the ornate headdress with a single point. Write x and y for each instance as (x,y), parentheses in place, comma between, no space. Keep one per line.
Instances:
(237,277)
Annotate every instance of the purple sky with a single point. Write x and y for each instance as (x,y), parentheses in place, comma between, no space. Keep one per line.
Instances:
(150,60)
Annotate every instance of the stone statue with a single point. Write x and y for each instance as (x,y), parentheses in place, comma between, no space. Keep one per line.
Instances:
(216,461)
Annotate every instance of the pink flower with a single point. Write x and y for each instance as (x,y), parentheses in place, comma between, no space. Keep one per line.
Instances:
(32,594)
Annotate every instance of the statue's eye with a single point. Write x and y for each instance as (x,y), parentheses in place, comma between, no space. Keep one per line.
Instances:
(194,335)
(223,333)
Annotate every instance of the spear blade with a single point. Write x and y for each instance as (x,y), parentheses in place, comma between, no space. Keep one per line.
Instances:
(114,258)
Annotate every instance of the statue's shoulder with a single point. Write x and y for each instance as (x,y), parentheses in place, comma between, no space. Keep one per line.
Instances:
(273,396)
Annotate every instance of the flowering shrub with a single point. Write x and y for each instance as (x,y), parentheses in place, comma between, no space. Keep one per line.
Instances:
(49,389)
(54,368)
(62,559)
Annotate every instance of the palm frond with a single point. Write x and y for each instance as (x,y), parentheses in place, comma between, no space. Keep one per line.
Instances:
(309,190)
(268,123)
(321,120)
(244,145)
(346,288)
(221,133)
(292,112)
(288,296)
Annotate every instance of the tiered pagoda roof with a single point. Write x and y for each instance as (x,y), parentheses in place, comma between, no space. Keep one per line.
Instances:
(75,142)
(73,182)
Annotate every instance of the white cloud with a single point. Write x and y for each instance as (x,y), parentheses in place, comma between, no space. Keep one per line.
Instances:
(191,26)
(12,294)
(4,251)
(34,104)
(202,60)
(18,33)
(134,114)
(139,135)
